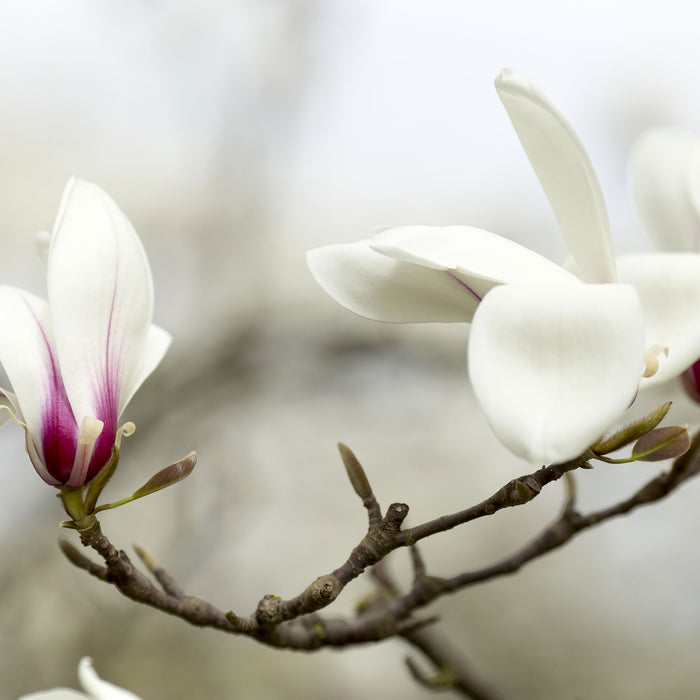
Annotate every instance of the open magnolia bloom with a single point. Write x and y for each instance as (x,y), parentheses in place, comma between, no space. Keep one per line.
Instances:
(95,688)
(555,357)
(664,173)
(75,361)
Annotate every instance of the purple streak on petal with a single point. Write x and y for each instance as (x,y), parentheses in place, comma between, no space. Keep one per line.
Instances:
(463,284)
(59,430)
(36,459)
(107,390)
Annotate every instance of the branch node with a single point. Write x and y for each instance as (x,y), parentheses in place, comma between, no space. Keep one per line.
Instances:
(269,611)
(323,591)
(524,492)
(395,515)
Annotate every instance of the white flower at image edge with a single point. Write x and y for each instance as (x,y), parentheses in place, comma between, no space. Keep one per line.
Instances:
(95,688)
(555,358)
(76,359)
(664,173)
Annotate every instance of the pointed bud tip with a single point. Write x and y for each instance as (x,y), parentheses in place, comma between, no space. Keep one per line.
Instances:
(168,476)
(355,472)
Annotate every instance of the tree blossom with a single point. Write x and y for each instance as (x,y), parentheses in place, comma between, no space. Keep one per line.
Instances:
(75,361)
(665,177)
(95,688)
(554,361)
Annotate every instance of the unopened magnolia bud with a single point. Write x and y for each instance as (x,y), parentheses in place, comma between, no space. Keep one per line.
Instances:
(632,432)
(355,472)
(168,476)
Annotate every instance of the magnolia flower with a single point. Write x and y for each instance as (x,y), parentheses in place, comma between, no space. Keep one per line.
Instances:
(75,361)
(554,357)
(95,688)
(665,177)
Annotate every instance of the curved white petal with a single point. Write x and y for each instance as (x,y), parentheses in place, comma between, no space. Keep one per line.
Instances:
(42,240)
(56,694)
(668,285)
(565,172)
(476,257)
(157,345)
(101,299)
(554,366)
(663,171)
(97,688)
(383,289)
(28,355)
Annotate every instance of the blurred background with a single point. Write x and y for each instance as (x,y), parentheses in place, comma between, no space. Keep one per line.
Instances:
(236,135)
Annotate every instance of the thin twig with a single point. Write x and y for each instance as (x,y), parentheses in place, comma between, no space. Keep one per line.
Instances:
(295,623)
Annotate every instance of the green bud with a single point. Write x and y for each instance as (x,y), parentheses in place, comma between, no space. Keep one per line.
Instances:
(168,476)
(632,432)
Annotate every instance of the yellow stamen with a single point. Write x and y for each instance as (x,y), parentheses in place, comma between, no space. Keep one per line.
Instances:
(126,430)
(652,359)
(90,429)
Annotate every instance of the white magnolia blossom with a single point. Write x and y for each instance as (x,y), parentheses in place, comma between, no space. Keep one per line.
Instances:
(555,358)
(76,360)
(665,177)
(664,171)
(95,688)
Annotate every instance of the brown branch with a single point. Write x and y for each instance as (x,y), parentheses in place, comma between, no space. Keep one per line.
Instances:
(515,493)
(294,623)
(452,670)
(558,533)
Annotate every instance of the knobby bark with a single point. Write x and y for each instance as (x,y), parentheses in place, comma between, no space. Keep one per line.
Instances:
(296,623)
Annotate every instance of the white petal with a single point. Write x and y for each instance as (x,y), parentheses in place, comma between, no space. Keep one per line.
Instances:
(668,285)
(97,688)
(42,241)
(10,406)
(157,345)
(660,172)
(553,367)
(101,299)
(476,257)
(56,694)
(383,289)
(694,190)
(28,355)
(565,172)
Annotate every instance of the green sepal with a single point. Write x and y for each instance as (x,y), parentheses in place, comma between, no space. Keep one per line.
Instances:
(633,431)
(162,479)
(94,488)
(662,443)
(72,497)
